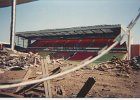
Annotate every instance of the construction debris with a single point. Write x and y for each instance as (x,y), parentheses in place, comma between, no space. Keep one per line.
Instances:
(135,62)
(115,64)
(14,60)
(47,84)
(56,70)
(26,77)
(64,86)
(6,94)
(86,88)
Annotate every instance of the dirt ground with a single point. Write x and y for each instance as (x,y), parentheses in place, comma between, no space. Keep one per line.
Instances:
(108,83)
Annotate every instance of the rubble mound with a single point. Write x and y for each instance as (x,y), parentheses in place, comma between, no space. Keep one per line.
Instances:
(135,62)
(116,65)
(13,59)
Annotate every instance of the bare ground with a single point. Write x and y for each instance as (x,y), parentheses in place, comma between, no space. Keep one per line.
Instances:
(109,83)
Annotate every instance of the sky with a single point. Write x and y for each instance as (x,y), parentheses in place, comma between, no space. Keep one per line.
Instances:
(52,14)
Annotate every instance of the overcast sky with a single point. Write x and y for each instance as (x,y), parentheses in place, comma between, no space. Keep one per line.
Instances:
(50,14)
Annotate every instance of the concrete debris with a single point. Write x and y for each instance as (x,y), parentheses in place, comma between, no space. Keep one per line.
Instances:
(135,62)
(13,59)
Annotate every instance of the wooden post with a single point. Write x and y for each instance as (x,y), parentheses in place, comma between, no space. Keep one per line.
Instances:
(46,83)
(35,61)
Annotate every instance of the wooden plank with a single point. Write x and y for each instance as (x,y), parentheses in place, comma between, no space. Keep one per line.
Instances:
(86,88)
(48,82)
(56,71)
(6,94)
(47,86)
(32,86)
(45,82)
(10,81)
(26,77)
(35,61)
(27,88)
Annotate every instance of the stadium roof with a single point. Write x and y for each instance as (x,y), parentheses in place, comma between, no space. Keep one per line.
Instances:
(6,3)
(89,30)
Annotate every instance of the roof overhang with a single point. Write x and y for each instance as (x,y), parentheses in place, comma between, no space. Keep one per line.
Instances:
(7,3)
(75,32)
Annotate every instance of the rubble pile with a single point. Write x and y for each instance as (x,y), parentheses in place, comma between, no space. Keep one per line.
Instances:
(135,62)
(11,59)
(116,65)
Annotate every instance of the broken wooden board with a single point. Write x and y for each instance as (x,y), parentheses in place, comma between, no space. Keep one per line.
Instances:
(27,88)
(46,83)
(6,94)
(26,77)
(32,86)
(86,88)
(10,81)
(56,71)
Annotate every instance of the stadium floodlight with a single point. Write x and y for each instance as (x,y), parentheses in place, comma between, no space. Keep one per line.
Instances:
(13,3)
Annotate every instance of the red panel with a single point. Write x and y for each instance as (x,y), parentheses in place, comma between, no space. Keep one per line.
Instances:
(135,50)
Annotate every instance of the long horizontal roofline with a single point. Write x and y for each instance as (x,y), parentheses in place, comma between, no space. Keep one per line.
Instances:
(70,31)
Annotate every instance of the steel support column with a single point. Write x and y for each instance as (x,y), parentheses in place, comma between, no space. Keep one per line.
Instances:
(29,43)
(13,24)
(23,43)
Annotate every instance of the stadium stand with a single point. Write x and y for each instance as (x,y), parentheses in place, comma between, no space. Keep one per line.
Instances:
(76,43)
